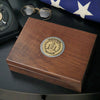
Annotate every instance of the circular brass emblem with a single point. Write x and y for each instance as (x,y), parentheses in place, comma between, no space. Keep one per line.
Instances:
(0,16)
(52,47)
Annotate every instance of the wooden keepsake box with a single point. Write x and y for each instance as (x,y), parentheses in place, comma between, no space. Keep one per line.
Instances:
(53,53)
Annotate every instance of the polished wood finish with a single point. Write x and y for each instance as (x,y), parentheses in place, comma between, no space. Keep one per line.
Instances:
(66,70)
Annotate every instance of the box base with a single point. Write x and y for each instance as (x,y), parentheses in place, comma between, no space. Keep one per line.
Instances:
(76,87)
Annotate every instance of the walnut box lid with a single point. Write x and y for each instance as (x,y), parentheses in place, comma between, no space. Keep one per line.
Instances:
(53,53)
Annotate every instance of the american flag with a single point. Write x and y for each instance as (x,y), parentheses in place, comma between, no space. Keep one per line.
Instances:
(86,9)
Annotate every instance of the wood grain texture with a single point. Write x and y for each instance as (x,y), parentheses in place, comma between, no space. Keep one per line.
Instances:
(66,70)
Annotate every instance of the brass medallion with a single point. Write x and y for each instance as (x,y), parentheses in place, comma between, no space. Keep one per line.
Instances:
(52,47)
(1,16)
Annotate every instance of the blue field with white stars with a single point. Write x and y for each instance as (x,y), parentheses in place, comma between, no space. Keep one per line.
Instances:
(86,9)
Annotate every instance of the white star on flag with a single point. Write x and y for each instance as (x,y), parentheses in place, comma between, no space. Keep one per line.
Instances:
(56,4)
(83,10)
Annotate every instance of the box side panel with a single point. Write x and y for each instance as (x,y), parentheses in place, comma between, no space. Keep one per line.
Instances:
(68,84)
